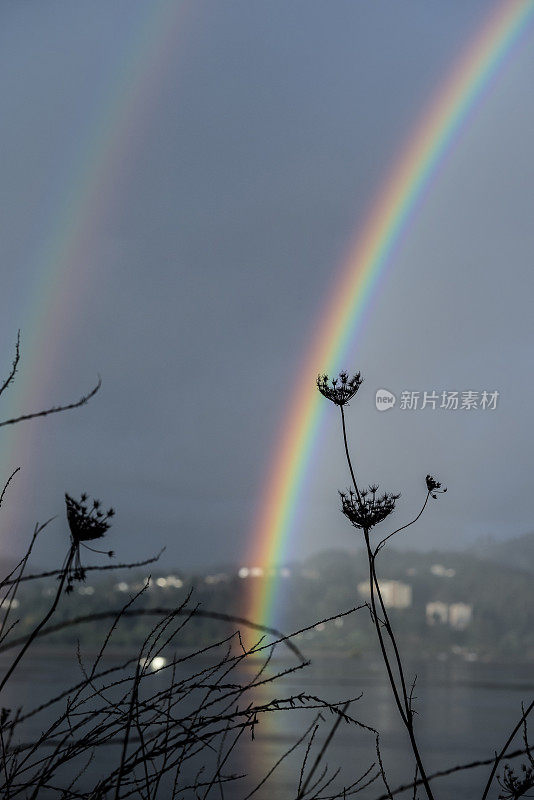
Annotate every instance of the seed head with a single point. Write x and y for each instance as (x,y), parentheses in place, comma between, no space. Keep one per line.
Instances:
(371,510)
(515,786)
(434,486)
(85,526)
(339,390)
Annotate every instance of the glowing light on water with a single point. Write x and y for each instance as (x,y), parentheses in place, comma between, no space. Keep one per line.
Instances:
(154,664)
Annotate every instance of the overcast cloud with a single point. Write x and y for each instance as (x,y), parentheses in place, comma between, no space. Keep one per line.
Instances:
(246,166)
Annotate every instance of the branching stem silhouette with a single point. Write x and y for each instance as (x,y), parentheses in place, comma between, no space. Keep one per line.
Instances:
(364,514)
(55,409)
(35,633)
(499,757)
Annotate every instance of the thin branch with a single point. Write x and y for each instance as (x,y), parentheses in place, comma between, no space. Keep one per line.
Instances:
(382,770)
(24,560)
(93,568)
(348,456)
(55,409)
(279,761)
(196,612)
(8,482)
(127,731)
(442,773)
(500,755)
(382,543)
(13,366)
(37,630)
(322,751)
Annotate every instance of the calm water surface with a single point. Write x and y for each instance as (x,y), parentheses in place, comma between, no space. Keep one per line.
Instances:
(465,711)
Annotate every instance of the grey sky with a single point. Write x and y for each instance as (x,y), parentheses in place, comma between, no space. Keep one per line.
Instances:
(226,216)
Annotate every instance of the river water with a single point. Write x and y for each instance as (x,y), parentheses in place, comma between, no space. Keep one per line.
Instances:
(465,711)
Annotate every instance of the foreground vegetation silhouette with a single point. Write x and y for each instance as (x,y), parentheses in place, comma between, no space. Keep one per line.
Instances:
(151,727)
(365,508)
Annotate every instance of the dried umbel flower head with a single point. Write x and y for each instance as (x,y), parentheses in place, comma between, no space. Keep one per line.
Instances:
(434,486)
(86,523)
(515,786)
(372,509)
(339,390)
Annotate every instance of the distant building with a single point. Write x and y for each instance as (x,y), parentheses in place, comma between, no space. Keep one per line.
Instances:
(394,593)
(457,615)
(251,572)
(219,577)
(442,572)
(460,615)
(171,581)
(8,602)
(437,613)
(260,572)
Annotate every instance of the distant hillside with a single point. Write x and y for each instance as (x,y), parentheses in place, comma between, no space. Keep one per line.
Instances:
(430,590)
(517,553)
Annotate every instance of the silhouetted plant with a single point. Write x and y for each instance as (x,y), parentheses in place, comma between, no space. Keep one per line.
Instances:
(371,510)
(178,731)
(184,731)
(365,509)
(86,523)
(514,786)
(175,722)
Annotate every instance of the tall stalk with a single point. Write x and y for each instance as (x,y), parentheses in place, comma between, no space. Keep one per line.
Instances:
(365,509)
(34,634)
(403,704)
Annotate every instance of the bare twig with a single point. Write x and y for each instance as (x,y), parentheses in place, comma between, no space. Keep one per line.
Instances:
(442,773)
(55,409)
(322,751)
(14,366)
(35,633)
(8,482)
(501,754)
(91,568)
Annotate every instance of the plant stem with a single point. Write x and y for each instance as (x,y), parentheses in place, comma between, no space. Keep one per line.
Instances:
(499,757)
(403,704)
(348,456)
(405,712)
(42,623)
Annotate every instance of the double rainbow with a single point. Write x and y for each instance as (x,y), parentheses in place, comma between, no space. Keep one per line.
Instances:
(65,264)
(433,136)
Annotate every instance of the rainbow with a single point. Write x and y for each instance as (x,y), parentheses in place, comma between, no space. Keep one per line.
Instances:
(370,255)
(65,261)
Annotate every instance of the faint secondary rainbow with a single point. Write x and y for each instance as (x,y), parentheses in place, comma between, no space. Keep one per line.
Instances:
(371,253)
(86,187)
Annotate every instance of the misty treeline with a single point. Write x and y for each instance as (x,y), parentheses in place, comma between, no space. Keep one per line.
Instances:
(170,720)
(500,628)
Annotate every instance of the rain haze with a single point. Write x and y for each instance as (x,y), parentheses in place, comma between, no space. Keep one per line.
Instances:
(181,184)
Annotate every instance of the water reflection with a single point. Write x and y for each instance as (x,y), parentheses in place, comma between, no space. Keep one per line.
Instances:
(464,712)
